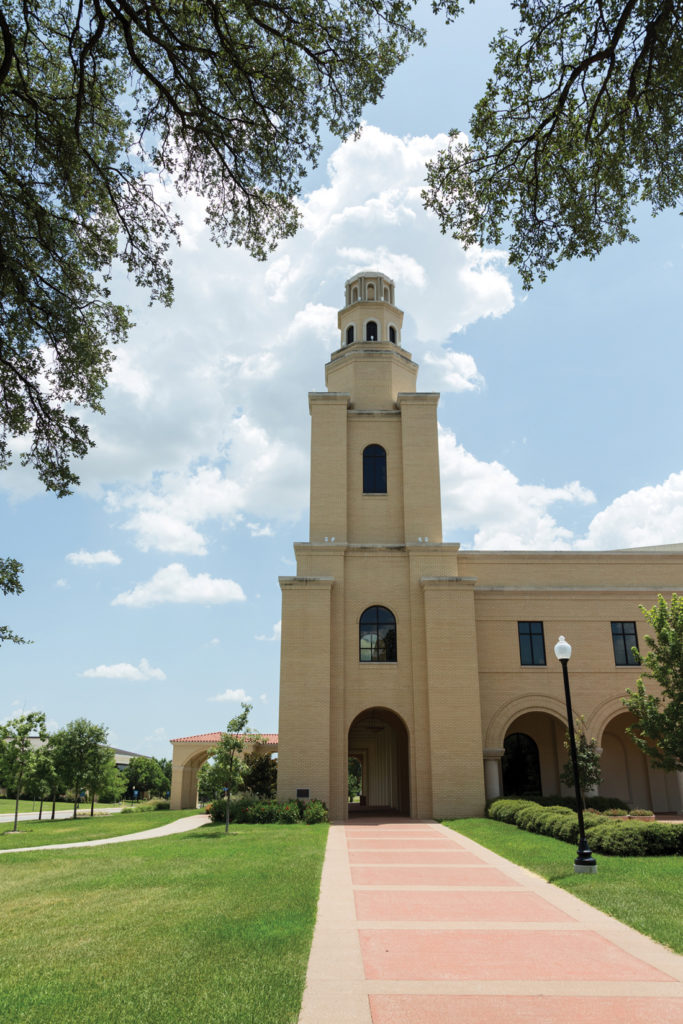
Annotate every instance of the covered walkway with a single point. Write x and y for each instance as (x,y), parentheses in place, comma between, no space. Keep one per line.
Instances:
(419,925)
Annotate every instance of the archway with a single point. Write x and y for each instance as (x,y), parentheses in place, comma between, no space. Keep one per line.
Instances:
(521,766)
(539,755)
(624,767)
(378,738)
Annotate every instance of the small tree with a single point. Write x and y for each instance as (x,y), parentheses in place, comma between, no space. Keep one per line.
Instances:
(659,716)
(99,774)
(260,775)
(113,783)
(587,758)
(209,782)
(16,750)
(41,777)
(144,774)
(77,754)
(230,767)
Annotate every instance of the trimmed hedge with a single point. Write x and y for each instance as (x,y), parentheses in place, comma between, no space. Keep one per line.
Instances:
(251,810)
(596,803)
(622,838)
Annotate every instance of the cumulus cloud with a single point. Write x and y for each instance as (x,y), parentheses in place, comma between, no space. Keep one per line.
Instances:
(275,635)
(232,695)
(639,518)
(174,585)
(206,412)
(505,514)
(93,558)
(124,670)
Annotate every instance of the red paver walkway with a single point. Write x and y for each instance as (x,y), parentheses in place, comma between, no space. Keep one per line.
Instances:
(419,925)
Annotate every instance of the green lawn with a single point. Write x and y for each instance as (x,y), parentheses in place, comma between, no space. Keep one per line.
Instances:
(643,892)
(66,830)
(7,806)
(199,928)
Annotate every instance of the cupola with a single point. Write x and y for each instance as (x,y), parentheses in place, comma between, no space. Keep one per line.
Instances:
(370,313)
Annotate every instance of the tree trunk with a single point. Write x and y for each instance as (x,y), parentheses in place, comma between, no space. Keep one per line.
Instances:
(54,805)
(16,805)
(92,805)
(227,811)
(40,812)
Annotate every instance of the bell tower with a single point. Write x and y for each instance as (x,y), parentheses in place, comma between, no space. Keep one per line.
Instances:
(378,656)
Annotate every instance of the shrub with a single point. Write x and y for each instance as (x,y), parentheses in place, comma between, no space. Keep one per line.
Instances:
(614,812)
(621,839)
(663,840)
(507,810)
(315,812)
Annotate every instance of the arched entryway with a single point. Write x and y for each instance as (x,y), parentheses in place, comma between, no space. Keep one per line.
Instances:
(534,755)
(378,738)
(624,767)
(521,766)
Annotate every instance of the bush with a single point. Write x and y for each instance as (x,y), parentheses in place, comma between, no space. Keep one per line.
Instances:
(507,810)
(315,812)
(603,834)
(248,809)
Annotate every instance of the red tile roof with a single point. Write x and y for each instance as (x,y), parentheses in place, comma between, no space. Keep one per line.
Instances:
(214,737)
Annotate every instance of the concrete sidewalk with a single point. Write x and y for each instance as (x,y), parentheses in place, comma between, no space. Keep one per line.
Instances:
(419,925)
(171,829)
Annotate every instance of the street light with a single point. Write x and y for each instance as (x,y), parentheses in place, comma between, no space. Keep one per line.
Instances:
(585,862)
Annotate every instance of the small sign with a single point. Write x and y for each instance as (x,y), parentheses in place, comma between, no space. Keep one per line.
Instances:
(303,794)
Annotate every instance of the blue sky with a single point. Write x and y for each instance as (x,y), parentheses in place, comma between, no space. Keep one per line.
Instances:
(152,595)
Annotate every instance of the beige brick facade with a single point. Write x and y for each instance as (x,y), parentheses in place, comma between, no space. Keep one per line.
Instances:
(430,727)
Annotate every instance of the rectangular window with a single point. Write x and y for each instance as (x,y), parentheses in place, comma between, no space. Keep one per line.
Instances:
(531,643)
(624,638)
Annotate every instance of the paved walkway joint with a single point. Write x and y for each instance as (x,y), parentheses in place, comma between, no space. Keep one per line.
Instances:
(419,925)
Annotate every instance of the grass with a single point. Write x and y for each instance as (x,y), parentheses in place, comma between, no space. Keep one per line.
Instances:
(643,892)
(199,928)
(7,806)
(66,830)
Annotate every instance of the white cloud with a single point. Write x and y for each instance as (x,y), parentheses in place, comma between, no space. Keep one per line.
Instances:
(158,736)
(277,630)
(650,515)
(124,670)
(174,585)
(258,530)
(93,558)
(61,583)
(232,695)
(506,514)
(452,371)
(263,698)
(214,641)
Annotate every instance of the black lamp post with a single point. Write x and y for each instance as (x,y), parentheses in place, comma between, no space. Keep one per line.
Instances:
(585,862)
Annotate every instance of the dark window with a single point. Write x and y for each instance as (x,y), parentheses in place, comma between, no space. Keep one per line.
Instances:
(392,335)
(349,335)
(377,634)
(521,767)
(374,470)
(531,643)
(624,638)
(371,331)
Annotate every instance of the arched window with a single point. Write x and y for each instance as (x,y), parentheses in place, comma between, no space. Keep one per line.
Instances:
(521,767)
(371,291)
(392,335)
(386,294)
(377,634)
(354,297)
(371,331)
(349,335)
(374,470)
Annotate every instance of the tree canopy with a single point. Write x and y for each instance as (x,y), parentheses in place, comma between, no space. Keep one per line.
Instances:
(581,121)
(16,750)
(80,755)
(659,716)
(10,571)
(107,109)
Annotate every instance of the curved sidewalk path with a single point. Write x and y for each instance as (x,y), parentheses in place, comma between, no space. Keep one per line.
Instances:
(171,829)
(419,925)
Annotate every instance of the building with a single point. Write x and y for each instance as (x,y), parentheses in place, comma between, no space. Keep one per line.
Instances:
(434,666)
